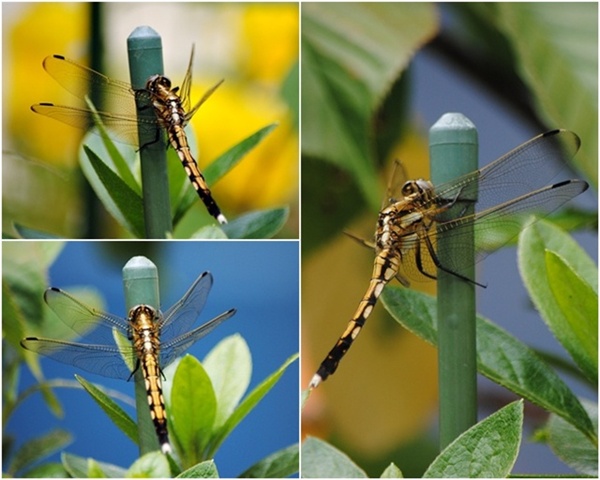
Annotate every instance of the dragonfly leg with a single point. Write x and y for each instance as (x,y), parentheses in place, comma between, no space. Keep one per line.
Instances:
(439,265)
(137,366)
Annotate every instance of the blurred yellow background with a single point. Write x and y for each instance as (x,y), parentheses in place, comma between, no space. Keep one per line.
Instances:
(254,47)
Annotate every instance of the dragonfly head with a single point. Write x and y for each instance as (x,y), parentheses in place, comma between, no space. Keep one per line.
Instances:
(143,316)
(417,188)
(156,83)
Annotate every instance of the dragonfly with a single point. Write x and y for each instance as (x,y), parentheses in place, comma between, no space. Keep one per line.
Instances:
(155,339)
(171,107)
(507,190)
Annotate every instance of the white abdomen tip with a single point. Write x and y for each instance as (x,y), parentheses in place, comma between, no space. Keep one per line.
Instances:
(221,218)
(315,381)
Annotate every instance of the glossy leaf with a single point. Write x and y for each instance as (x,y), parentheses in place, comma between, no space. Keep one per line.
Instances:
(489,449)
(580,332)
(39,448)
(571,446)
(112,409)
(229,366)
(347,69)
(211,232)
(151,465)
(501,357)
(392,471)
(206,469)
(192,409)
(79,467)
(321,460)
(258,224)
(556,52)
(534,242)
(122,202)
(281,464)
(248,403)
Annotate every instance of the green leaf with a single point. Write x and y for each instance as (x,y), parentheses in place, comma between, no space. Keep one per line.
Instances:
(489,449)
(120,164)
(533,244)
(231,157)
(218,168)
(114,412)
(32,234)
(348,67)
(46,470)
(281,464)
(151,465)
(211,232)
(206,469)
(556,47)
(501,357)
(79,467)
(248,404)
(571,446)
(257,225)
(192,409)
(229,366)
(38,448)
(124,204)
(579,334)
(392,471)
(321,460)
(94,469)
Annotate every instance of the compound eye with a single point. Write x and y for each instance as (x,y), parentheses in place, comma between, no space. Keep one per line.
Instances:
(151,83)
(409,188)
(165,82)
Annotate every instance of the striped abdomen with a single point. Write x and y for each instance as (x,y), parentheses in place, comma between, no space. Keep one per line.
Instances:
(178,140)
(143,320)
(156,400)
(385,268)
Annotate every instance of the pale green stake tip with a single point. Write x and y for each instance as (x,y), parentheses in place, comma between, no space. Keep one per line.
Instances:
(140,281)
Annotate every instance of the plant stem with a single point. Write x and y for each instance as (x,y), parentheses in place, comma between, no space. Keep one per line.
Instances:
(144,48)
(453,152)
(140,281)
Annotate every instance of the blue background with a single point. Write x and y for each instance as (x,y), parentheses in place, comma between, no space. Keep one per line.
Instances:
(259,279)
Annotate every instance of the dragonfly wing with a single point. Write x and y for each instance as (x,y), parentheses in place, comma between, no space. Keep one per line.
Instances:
(186,85)
(89,323)
(174,348)
(78,80)
(124,128)
(98,359)
(525,169)
(496,226)
(208,93)
(182,315)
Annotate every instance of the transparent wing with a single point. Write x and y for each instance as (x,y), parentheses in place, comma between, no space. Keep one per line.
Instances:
(186,85)
(98,359)
(182,315)
(507,191)
(525,169)
(493,227)
(77,79)
(174,348)
(88,323)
